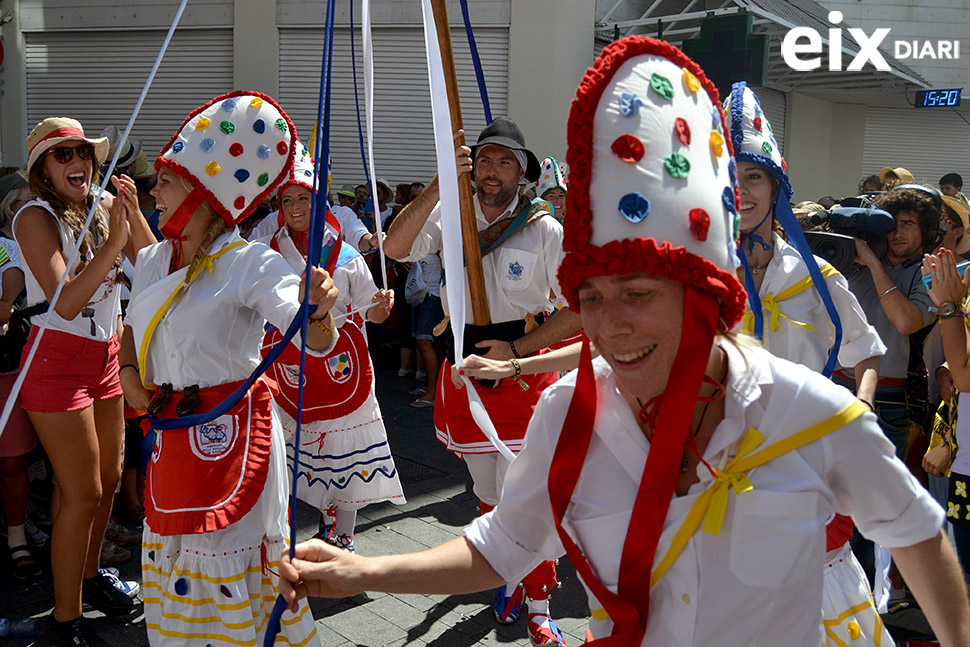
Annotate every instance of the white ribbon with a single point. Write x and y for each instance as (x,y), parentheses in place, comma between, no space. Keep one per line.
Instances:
(369,110)
(451,243)
(15,391)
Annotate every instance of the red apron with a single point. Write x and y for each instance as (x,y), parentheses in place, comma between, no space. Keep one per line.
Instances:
(207,477)
(338,383)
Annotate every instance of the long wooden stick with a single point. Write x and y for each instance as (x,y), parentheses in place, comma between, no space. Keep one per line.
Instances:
(469,228)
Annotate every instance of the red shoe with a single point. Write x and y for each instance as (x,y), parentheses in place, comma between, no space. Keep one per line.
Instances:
(542,636)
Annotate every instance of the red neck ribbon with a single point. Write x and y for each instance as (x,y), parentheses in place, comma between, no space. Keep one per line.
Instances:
(172,229)
(629,608)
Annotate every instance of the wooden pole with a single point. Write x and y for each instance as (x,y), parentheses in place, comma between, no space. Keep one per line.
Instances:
(469,228)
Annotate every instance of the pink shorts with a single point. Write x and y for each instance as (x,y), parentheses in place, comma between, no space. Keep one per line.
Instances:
(69,372)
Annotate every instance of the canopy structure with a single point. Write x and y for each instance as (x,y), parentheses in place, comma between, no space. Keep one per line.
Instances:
(677,21)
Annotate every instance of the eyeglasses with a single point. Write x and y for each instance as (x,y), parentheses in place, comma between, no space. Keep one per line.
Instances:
(65,154)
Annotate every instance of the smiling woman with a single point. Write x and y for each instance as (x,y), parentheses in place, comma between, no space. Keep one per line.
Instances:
(72,390)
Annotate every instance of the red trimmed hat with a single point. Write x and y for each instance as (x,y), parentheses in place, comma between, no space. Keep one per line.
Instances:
(235,150)
(652,181)
(56,130)
(301,172)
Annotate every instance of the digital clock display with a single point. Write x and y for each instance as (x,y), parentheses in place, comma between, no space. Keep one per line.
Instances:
(938,98)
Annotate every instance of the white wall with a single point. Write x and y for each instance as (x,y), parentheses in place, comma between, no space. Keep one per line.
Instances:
(550,48)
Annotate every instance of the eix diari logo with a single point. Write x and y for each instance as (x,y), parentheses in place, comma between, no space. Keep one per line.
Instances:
(802,43)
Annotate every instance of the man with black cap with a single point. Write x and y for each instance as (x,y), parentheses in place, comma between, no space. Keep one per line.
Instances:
(521,251)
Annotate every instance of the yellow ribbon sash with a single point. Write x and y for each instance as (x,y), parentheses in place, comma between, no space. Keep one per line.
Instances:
(206,264)
(711,505)
(769,304)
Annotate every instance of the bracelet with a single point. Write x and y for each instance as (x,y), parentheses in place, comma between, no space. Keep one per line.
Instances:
(124,366)
(895,287)
(515,353)
(868,404)
(518,371)
(322,326)
(954,315)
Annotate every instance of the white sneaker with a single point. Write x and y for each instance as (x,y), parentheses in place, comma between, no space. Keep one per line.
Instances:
(420,375)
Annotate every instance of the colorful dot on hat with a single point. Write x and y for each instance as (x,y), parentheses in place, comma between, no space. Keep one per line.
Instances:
(715,118)
(212,168)
(281,125)
(757,124)
(225,591)
(207,144)
(262,179)
(733,172)
(307,173)
(227,127)
(628,148)
(717,143)
(177,147)
(727,197)
(662,86)
(634,207)
(229,104)
(263,152)
(768,125)
(630,104)
(737,228)
(282,147)
(700,223)
(241,175)
(202,123)
(256,102)
(682,129)
(766,147)
(692,82)
(236,149)
(784,164)
(259,126)
(239,203)
(677,165)
(181,586)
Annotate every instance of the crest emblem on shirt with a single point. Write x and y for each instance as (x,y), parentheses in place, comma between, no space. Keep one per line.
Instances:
(212,440)
(515,271)
(291,374)
(340,367)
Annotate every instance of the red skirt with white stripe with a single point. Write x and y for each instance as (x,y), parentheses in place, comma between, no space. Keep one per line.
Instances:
(509,407)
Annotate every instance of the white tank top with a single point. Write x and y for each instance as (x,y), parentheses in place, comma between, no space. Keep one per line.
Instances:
(99,319)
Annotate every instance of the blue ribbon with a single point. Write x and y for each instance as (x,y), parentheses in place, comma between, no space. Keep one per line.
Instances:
(477,61)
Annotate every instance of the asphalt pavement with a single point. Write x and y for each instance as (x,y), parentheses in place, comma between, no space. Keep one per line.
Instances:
(440,503)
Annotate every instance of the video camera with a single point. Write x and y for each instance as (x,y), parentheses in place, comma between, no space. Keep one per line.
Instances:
(857,217)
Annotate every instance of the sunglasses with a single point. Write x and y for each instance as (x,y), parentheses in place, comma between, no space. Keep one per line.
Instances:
(65,154)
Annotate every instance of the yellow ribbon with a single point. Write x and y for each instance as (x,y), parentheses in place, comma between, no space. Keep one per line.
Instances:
(770,304)
(711,506)
(206,263)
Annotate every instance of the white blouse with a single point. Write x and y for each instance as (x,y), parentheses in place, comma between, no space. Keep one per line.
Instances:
(799,344)
(213,334)
(758,583)
(520,276)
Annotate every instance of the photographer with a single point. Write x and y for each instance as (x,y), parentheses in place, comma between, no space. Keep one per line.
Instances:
(896,302)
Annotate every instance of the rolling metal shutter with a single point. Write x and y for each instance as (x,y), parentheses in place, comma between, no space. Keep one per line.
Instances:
(403,133)
(928,143)
(96,77)
(774,104)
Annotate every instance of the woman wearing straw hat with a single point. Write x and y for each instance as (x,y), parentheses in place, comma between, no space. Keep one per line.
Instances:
(215,500)
(344,460)
(688,475)
(71,389)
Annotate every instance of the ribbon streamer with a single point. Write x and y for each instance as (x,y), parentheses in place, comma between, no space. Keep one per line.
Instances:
(451,244)
(369,110)
(18,384)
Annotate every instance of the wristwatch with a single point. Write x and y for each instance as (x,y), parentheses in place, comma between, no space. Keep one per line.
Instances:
(948,309)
